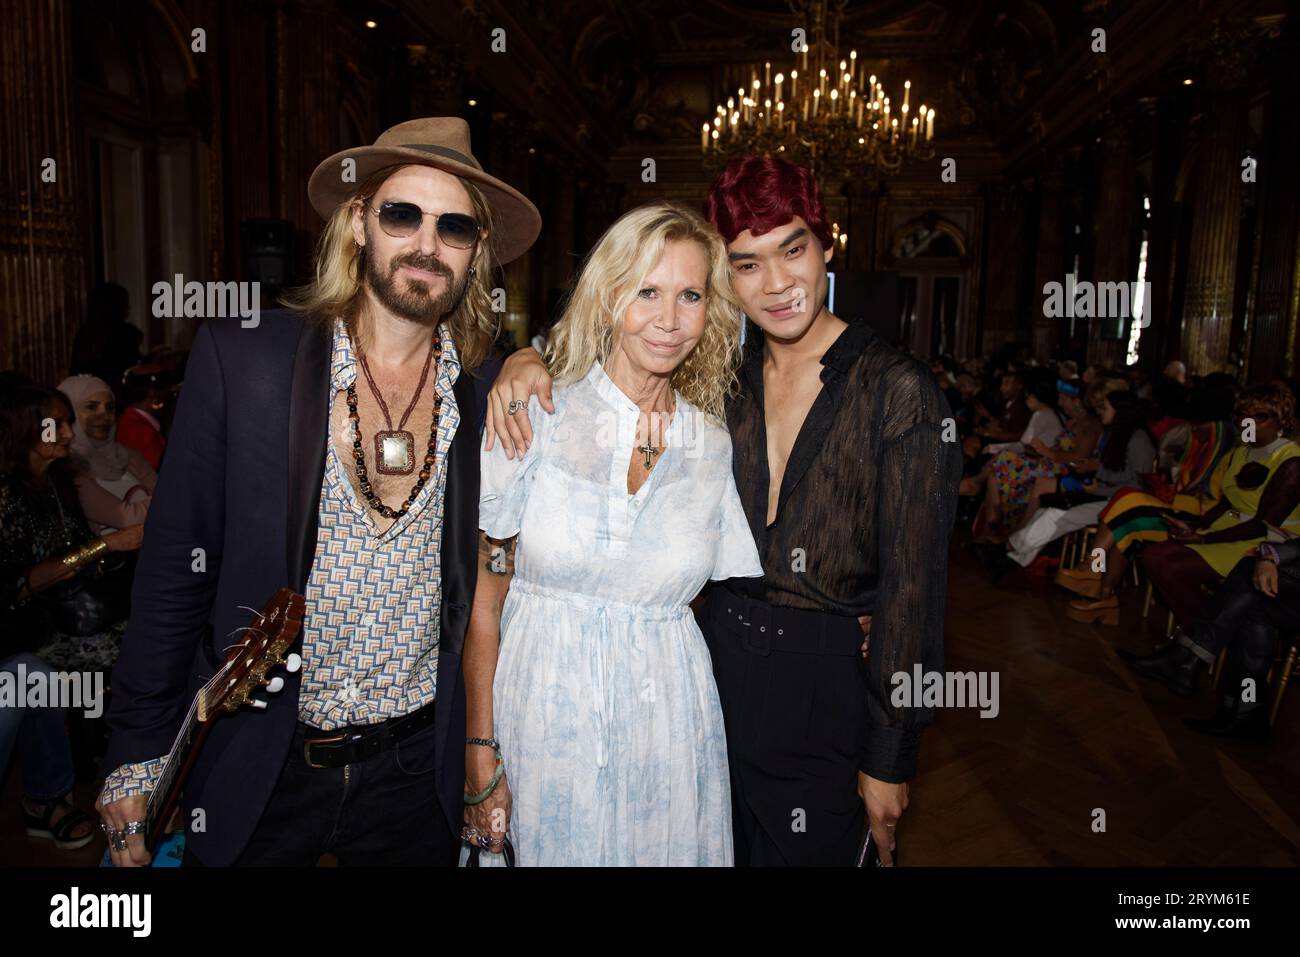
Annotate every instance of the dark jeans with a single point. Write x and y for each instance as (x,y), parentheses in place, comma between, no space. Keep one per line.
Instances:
(1244,620)
(383,811)
(41,739)
(796,731)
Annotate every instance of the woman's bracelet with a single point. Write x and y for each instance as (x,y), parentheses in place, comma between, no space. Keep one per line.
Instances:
(85,553)
(485,743)
(482,796)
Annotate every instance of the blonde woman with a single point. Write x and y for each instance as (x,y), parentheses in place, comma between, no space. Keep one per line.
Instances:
(585,670)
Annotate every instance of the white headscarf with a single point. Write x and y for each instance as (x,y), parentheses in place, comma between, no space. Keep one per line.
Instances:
(105,458)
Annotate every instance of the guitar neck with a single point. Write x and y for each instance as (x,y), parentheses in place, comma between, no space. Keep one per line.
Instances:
(166,795)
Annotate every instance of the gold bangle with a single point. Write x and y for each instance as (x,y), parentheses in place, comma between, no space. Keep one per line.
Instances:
(83,554)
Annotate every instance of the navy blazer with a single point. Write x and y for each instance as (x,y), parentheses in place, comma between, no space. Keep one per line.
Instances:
(242,481)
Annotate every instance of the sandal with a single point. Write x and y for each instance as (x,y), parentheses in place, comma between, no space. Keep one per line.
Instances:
(60,832)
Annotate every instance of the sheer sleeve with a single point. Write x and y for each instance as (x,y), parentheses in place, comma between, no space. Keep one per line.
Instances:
(504,483)
(915,510)
(735,554)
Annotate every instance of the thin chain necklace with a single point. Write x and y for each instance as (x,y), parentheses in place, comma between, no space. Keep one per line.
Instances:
(358,450)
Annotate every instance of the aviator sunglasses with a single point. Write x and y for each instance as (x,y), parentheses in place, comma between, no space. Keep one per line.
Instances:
(401,220)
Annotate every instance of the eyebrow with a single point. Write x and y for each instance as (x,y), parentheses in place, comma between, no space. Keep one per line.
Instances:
(799,233)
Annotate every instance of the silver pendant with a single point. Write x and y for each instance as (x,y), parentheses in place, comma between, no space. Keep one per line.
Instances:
(394,453)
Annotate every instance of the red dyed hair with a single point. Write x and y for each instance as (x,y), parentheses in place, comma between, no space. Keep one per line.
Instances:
(764,194)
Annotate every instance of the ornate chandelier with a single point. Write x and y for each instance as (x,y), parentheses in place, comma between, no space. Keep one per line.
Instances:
(824,112)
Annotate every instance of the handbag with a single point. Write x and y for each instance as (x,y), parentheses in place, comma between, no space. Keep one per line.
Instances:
(471,855)
(93,601)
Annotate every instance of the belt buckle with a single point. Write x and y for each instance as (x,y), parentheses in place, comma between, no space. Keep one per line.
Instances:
(306,748)
(758,629)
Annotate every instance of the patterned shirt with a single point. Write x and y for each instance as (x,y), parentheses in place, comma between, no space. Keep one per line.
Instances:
(373,601)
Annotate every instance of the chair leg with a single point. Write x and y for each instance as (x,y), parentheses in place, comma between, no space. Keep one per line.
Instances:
(1283,679)
(1146,601)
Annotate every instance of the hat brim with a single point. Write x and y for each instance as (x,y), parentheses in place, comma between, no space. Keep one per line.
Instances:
(516,222)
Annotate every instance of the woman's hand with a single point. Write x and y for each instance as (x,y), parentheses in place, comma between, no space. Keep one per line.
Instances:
(523,374)
(491,816)
(864,622)
(125,539)
(1180,531)
(1265,577)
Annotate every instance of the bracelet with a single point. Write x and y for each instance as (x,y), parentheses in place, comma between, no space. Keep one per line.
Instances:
(482,796)
(1269,553)
(80,556)
(485,742)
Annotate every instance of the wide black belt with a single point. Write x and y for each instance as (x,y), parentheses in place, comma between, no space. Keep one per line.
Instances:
(763,628)
(355,743)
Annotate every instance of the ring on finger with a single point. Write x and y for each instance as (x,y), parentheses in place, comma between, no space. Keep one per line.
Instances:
(516,405)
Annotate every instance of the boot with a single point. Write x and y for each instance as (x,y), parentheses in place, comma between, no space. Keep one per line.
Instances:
(1085,583)
(1105,610)
(1174,664)
(1230,721)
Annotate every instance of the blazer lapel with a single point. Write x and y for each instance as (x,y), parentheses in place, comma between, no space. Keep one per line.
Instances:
(308,438)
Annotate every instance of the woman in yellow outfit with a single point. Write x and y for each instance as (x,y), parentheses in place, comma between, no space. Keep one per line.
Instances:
(1261,488)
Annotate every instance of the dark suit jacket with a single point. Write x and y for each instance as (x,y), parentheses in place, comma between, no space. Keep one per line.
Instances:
(242,481)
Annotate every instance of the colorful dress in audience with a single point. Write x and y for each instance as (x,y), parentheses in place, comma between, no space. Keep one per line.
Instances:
(1137,515)
(1015,475)
(1244,502)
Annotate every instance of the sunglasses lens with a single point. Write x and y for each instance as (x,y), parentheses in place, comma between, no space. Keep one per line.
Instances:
(400,219)
(458,230)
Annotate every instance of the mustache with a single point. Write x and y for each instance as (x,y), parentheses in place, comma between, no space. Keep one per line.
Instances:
(426,263)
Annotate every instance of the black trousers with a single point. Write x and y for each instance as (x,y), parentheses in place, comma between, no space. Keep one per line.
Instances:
(794,702)
(1244,620)
(381,812)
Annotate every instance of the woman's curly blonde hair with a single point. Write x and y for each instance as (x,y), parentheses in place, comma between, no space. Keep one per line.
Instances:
(611,277)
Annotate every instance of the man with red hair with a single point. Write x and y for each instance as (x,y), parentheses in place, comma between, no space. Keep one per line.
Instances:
(849,486)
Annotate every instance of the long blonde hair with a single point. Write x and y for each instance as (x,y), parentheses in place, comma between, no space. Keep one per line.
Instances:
(610,280)
(337,291)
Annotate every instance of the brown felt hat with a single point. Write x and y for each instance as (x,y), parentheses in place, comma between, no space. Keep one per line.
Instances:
(441,142)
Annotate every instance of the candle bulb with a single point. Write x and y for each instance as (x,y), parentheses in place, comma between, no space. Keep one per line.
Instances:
(704,139)
(907,91)
(835,102)
(794,84)
(780,78)
(767,75)
(767,112)
(817,97)
(823,83)
(780,115)
(929,125)
(853,65)
(715,140)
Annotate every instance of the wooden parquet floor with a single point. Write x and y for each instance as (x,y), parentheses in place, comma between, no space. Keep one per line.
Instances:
(1077,733)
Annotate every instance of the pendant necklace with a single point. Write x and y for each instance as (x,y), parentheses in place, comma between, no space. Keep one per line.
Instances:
(358,450)
(395,448)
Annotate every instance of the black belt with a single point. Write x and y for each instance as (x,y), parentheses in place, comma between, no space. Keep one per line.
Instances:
(355,743)
(764,628)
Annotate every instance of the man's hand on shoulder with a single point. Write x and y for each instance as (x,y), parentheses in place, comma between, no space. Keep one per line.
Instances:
(523,374)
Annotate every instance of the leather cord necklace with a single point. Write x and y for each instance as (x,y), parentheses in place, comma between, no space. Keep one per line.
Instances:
(395,448)
(358,450)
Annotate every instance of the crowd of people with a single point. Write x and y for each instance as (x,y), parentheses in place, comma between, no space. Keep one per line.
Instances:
(78,466)
(1194,478)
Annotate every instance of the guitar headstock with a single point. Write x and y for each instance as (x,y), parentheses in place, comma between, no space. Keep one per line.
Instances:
(262,646)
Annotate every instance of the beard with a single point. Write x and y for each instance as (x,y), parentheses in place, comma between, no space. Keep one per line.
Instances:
(410,298)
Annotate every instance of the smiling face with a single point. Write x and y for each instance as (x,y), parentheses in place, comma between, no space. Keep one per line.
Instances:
(97,412)
(666,318)
(417,277)
(780,278)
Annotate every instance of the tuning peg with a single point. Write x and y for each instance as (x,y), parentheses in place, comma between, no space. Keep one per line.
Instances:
(275,684)
(293,663)
(257,703)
